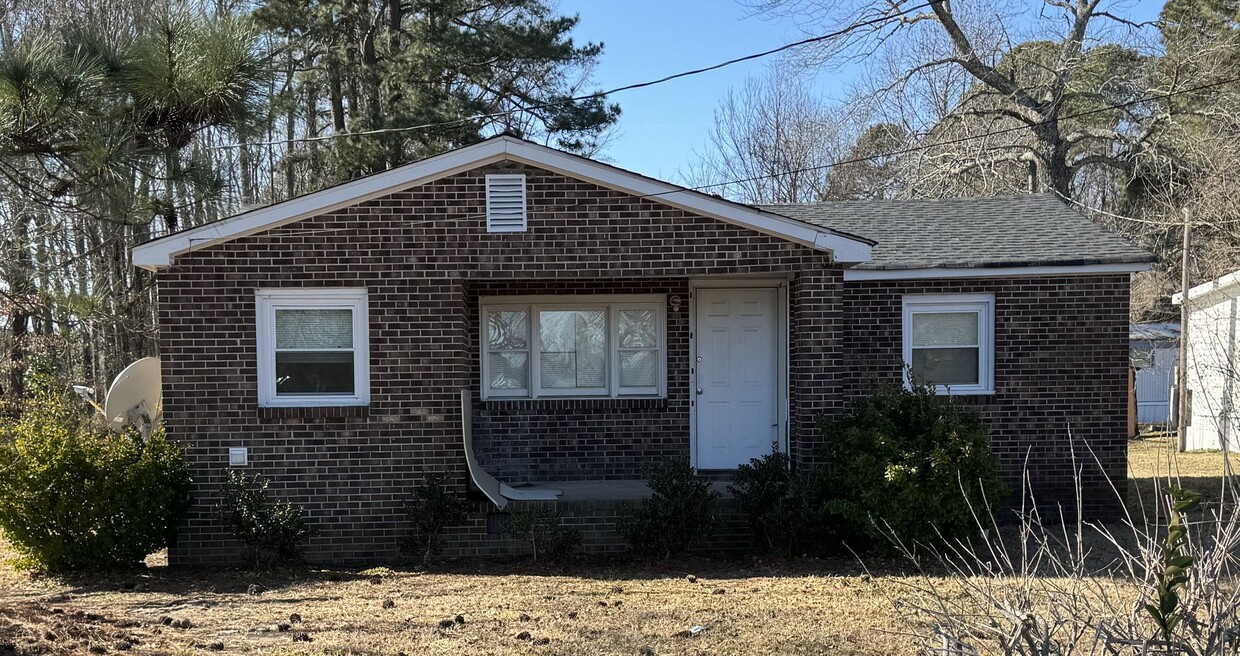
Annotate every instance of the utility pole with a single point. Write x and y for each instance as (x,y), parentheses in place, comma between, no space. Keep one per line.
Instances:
(1181,383)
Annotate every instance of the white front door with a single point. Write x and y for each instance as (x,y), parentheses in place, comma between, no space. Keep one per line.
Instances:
(737,375)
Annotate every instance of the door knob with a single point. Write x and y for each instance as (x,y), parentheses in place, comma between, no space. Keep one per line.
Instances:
(699,390)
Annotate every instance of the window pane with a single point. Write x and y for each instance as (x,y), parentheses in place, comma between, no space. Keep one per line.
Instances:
(572,371)
(573,349)
(305,372)
(314,329)
(638,368)
(946,366)
(508,329)
(945,329)
(638,328)
(509,371)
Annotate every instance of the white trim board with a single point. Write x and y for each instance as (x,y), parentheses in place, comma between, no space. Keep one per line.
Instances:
(160,252)
(268,300)
(983,305)
(1220,284)
(851,275)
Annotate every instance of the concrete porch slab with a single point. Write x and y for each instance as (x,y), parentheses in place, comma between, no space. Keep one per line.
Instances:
(611,490)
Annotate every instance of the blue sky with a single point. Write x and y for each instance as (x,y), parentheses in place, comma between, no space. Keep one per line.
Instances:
(647,39)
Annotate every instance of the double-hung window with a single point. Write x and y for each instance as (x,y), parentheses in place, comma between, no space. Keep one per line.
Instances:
(949,342)
(312,347)
(573,346)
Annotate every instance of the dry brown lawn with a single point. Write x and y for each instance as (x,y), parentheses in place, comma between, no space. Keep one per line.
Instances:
(588,607)
(612,609)
(1153,463)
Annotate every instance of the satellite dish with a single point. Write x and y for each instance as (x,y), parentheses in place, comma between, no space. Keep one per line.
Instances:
(135,396)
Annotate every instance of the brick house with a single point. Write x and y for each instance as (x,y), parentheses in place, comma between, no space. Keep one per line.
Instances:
(572,322)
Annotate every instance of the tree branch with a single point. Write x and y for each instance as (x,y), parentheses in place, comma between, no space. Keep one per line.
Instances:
(983,72)
(1116,162)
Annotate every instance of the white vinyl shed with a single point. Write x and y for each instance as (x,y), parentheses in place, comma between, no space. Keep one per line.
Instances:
(1155,351)
(1212,363)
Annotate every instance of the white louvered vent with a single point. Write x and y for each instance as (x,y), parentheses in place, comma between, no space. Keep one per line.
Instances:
(506,203)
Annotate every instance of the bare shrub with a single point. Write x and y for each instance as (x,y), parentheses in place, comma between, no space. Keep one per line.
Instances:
(1160,581)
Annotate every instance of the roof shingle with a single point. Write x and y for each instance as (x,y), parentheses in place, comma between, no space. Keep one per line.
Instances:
(1000,231)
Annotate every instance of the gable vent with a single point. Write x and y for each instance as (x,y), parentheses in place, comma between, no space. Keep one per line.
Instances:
(505,203)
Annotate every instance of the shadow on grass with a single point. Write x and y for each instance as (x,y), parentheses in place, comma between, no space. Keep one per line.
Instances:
(1144,492)
(196,586)
(192,582)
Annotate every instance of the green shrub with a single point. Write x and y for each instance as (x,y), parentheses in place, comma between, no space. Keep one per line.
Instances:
(431,509)
(678,514)
(908,462)
(274,533)
(786,509)
(540,525)
(76,496)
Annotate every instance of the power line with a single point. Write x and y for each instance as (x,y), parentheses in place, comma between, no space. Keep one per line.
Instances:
(1018,128)
(921,147)
(1113,215)
(597,94)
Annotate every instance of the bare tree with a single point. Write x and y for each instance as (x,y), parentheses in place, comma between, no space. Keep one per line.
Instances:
(958,75)
(772,142)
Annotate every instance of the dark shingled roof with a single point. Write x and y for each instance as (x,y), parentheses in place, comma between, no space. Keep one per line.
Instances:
(1001,231)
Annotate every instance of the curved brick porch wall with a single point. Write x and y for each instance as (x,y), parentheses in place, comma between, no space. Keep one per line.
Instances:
(424,256)
(1061,376)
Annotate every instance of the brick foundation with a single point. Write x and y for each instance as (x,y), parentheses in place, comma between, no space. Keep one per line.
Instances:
(597,522)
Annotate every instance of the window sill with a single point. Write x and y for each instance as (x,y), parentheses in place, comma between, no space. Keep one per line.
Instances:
(319,411)
(315,402)
(942,392)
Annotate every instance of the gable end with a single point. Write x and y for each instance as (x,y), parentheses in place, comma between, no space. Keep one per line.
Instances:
(159,253)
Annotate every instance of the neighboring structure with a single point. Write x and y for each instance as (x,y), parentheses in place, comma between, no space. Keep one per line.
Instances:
(599,322)
(1212,364)
(1155,350)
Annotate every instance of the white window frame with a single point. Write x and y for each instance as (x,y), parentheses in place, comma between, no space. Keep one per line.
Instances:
(984,306)
(611,305)
(267,301)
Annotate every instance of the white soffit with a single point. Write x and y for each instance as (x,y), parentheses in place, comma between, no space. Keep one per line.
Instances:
(851,275)
(159,253)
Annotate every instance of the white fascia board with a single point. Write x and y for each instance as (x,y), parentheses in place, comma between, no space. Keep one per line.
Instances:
(851,275)
(159,253)
(1220,284)
(843,248)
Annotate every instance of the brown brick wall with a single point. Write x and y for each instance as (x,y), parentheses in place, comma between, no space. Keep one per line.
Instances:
(1061,374)
(597,521)
(424,257)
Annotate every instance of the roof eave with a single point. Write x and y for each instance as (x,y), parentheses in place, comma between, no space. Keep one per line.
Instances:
(1219,284)
(927,273)
(159,253)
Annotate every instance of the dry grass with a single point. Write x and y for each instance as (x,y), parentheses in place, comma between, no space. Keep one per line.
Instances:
(746,609)
(591,607)
(1154,461)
